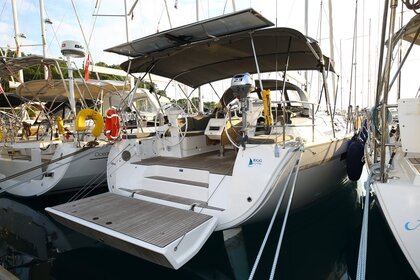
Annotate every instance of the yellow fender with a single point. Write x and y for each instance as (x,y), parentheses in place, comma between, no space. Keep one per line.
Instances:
(90,114)
(60,125)
(268,114)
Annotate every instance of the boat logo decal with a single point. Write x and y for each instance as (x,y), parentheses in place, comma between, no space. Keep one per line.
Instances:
(409,226)
(254,161)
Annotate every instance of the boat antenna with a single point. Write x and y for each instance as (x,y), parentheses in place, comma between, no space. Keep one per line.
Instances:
(72,49)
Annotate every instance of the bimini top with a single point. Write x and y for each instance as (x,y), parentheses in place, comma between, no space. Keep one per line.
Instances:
(221,57)
(203,30)
(10,67)
(57,90)
(409,31)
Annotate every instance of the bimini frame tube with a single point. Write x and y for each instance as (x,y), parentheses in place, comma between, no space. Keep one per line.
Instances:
(320,58)
(283,92)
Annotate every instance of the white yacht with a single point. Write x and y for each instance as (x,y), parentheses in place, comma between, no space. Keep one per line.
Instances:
(51,154)
(196,175)
(393,155)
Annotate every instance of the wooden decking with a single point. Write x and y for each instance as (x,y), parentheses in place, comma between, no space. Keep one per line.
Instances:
(212,162)
(153,223)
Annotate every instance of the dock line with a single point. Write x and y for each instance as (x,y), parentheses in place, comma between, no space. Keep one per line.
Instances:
(267,234)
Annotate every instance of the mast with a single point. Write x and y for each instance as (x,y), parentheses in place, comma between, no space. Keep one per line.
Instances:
(43,38)
(126,20)
(400,55)
(18,35)
(380,64)
(200,97)
(385,81)
(167,14)
(330,22)
(306,34)
(233,5)
(369,99)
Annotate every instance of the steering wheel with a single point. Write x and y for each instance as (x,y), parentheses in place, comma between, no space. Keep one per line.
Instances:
(43,130)
(232,132)
(172,127)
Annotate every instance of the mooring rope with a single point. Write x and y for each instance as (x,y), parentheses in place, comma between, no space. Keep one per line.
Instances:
(283,227)
(258,258)
(361,261)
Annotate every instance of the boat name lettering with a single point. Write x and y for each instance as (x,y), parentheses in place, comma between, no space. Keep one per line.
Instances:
(99,154)
(410,225)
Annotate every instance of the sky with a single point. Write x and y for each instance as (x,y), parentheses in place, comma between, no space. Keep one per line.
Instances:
(150,16)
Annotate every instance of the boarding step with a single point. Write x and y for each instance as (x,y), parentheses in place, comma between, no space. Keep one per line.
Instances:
(183,182)
(161,234)
(179,181)
(171,198)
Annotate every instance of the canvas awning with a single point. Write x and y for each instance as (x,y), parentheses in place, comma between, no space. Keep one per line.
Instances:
(56,90)
(408,32)
(221,58)
(10,67)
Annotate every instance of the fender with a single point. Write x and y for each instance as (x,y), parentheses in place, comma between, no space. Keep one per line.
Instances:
(60,125)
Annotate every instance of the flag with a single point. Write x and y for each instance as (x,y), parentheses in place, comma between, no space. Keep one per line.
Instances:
(87,67)
(1,89)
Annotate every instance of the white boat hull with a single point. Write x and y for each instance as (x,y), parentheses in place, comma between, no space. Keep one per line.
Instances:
(399,201)
(84,168)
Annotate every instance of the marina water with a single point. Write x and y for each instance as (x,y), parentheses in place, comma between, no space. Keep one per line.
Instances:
(320,242)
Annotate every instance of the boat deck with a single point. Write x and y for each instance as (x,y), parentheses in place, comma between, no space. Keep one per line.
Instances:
(212,162)
(149,222)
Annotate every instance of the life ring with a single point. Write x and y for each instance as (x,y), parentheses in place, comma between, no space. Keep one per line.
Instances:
(90,114)
(112,124)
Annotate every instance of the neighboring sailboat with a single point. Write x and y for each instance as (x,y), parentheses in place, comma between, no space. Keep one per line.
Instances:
(169,192)
(394,163)
(53,155)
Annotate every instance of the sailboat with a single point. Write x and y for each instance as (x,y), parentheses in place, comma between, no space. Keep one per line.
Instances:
(60,151)
(393,154)
(197,175)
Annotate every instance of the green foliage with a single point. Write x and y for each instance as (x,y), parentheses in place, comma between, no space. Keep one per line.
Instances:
(210,105)
(37,72)
(102,76)
(152,87)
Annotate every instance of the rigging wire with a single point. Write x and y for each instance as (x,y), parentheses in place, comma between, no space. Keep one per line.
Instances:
(80,25)
(2,9)
(160,18)
(54,31)
(353,56)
